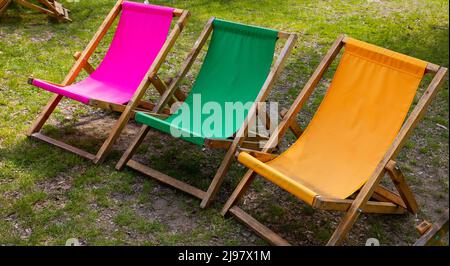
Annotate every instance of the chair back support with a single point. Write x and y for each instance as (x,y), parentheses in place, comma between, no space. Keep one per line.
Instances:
(235,68)
(140,35)
(357,121)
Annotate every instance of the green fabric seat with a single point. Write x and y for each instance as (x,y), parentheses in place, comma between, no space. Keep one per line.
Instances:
(235,68)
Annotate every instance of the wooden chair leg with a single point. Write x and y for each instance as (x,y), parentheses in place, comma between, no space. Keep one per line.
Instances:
(45,114)
(294,126)
(115,133)
(344,226)
(133,147)
(403,189)
(258,227)
(226,163)
(242,187)
(218,178)
(355,210)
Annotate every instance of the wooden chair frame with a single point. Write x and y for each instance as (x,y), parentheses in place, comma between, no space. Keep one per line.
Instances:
(384,200)
(231,145)
(52,8)
(135,103)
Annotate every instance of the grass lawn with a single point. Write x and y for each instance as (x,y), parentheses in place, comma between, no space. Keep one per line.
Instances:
(48,196)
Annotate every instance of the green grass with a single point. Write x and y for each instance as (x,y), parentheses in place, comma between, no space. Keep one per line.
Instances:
(48,196)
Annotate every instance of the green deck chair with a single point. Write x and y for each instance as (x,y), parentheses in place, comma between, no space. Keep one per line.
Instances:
(236,70)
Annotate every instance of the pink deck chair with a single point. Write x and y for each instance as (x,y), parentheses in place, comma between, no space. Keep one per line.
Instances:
(138,49)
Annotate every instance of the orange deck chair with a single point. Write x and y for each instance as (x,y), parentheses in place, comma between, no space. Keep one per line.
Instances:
(351,142)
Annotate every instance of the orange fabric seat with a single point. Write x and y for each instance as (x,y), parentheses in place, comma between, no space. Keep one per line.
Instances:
(357,121)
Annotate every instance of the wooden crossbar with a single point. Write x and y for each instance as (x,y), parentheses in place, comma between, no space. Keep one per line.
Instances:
(166,179)
(64,146)
(258,227)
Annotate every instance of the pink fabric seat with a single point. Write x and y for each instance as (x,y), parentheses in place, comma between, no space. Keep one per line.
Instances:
(140,35)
